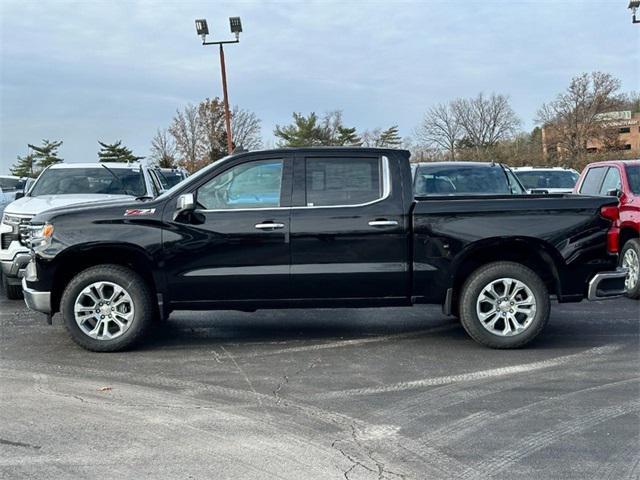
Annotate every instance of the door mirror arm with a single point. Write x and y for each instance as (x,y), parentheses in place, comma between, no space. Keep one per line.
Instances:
(614,192)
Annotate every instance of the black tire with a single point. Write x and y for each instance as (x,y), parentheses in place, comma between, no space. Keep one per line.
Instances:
(132,283)
(482,277)
(633,244)
(13,292)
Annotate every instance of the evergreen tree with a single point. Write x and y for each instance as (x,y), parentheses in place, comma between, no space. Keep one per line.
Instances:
(389,138)
(311,131)
(46,154)
(116,152)
(304,132)
(25,166)
(347,136)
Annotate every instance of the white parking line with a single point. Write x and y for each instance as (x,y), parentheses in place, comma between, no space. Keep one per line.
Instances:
(466,377)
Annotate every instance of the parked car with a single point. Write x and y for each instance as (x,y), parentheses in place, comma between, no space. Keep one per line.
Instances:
(620,179)
(321,228)
(12,186)
(169,177)
(61,185)
(547,179)
(464,178)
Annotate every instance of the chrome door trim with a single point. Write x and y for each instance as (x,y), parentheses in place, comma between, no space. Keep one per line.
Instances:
(386,192)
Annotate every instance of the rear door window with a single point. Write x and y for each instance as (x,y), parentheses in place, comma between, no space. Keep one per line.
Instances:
(593,180)
(342,181)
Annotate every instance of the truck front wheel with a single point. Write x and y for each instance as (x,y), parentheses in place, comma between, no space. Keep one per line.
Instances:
(107,308)
(504,305)
(13,292)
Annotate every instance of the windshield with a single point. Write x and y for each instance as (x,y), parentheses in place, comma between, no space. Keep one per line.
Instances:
(633,175)
(91,180)
(461,180)
(548,179)
(9,183)
(169,178)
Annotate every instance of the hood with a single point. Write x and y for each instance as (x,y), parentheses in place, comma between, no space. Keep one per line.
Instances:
(42,203)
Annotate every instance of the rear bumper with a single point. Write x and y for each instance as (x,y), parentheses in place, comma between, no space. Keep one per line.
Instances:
(607,285)
(36,300)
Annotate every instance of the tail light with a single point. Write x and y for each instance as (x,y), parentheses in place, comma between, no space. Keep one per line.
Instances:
(611,212)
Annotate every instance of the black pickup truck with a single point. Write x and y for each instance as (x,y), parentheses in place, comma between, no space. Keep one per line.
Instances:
(334,227)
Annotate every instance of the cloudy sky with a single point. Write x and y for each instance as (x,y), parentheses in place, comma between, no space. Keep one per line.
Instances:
(109,70)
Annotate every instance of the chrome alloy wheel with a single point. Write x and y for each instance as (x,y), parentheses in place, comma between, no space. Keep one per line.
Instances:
(103,310)
(631,262)
(506,307)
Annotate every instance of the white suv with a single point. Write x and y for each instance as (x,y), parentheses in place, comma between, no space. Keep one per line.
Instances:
(61,185)
(547,179)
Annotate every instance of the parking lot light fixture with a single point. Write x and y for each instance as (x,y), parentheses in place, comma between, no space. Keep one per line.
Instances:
(633,6)
(203,30)
(236,26)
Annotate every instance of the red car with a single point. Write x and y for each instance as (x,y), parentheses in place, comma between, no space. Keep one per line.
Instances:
(621,178)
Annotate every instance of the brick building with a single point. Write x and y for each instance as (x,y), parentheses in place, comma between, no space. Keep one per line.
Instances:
(623,134)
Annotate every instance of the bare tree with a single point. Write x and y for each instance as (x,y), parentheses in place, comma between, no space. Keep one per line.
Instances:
(370,137)
(575,116)
(187,132)
(441,129)
(163,149)
(245,126)
(485,120)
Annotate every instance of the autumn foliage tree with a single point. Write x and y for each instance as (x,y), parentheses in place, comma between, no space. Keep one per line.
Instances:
(200,134)
(575,116)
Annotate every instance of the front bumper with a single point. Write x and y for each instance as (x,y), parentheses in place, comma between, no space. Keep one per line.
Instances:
(36,300)
(15,268)
(607,285)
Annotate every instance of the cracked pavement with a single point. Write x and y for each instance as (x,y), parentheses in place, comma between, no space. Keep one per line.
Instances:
(394,393)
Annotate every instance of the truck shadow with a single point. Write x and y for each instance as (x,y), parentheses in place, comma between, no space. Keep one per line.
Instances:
(286,326)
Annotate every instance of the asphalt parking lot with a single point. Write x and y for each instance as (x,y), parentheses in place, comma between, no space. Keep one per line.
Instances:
(356,394)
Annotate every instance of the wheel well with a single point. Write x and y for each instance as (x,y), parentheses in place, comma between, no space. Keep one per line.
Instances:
(530,254)
(73,263)
(626,234)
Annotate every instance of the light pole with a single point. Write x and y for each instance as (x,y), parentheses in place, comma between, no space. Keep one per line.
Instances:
(633,6)
(203,30)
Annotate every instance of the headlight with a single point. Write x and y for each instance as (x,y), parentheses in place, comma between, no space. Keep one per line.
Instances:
(40,236)
(11,219)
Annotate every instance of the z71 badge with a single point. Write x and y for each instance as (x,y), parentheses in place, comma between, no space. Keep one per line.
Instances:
(136,212)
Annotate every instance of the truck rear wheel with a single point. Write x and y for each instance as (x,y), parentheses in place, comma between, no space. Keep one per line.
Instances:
(107,308)
(504,305)
(630,259)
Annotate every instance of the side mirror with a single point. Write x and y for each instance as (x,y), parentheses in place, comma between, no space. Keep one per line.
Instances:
(614,192)
(186,203)
(19,195)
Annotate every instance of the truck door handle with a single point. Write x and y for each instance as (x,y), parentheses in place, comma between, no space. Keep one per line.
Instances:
(269,226)
(383,223)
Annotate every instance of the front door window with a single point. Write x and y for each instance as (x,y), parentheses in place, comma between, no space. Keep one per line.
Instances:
(248,185)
